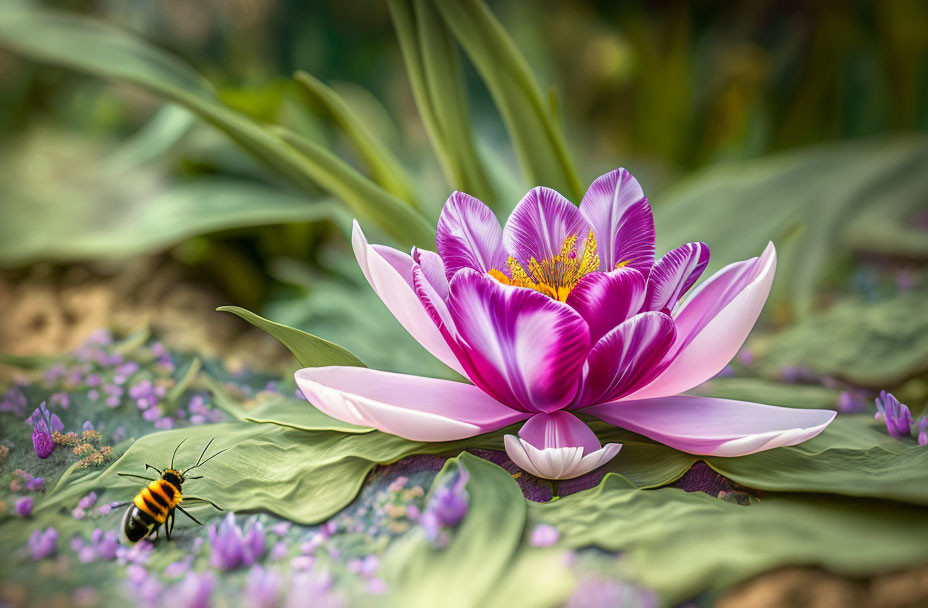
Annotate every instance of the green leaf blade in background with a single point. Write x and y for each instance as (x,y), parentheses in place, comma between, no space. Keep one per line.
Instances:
(682,544)
(102,50)
(309,350)
(535,133)
(804,201)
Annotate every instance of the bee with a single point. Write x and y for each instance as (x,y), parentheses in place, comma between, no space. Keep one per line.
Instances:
(155,504)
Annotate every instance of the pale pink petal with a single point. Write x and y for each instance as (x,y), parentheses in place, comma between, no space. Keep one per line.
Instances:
(620,214)
(413,407)
(469,236)
(714,427)
(557,463)
(389,273)
(712,324)
(674,274)
(558,430)
(433,269)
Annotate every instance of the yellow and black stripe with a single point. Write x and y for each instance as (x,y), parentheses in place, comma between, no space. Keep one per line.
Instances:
(152,506)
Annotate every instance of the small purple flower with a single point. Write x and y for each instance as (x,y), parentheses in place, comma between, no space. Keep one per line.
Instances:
(93,394)
(850,402)
(63,400)
(164,423)
(281,528)
(178,568)
(231,548)
(35,484)
(24,506)
(897,416)
(446,508)
(151,414)
(262,588)
(544,535)
(278,552)
(42,440)
(94,380)
(87,501)
(88,426)
(55,424)
(43,544)
(923,430)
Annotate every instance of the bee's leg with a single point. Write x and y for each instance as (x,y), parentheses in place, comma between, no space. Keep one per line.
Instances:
(211,503)
(156,532)
(184,511)
(167,527)
(173,517)
(134,475)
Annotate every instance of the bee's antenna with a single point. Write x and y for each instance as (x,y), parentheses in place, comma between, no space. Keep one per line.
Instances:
(203,453)
(177,448)
(200,464)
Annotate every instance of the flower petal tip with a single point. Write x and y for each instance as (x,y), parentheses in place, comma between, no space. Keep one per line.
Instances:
(557,463)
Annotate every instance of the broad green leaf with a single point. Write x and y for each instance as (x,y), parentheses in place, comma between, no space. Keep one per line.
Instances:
(879,344)
(854,456)
(309,350)
(100,49)
(300,415)
(803,201)
(682,544)
(645,463)
(481,549)
(535,132)
(437,80)
(384,167)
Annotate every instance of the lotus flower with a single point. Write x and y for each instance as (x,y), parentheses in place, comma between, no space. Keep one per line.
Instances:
(563,310)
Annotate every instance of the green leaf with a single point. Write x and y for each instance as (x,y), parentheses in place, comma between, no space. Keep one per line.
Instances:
(643,462)
(300,415)
(309,350)
(803,201)
(854,456)
(481,550)
(384,167)
(682,544)
(535,132)
(869,343)
(100,49)
(437,80)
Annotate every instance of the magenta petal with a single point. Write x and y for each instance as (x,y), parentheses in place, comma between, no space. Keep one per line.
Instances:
(416,408)
(627,358)
(539,225)
(389,273)
(605,299)
(469,236)
(520,346)
(559,430)
(712,324)
(715,427)
(674,274)
(620,214)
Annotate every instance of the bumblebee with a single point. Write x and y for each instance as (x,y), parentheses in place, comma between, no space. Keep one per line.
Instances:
(155,505)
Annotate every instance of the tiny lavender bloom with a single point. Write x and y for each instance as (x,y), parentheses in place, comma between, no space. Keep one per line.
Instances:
(446,508)
(231,548)
(24,506)
(544,535)
(897,416)
(42,440)
(563,310)
(923,430)
(262,588)
(88,426)
(42,544)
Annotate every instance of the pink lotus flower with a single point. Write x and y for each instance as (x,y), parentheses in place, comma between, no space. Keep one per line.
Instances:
(563,310)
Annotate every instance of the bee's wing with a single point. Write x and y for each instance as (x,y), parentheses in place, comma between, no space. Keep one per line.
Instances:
(123,538)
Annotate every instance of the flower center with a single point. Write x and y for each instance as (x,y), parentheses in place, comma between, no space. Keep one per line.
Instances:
(557,276)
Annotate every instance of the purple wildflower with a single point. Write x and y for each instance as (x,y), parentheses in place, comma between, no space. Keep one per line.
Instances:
(43,544)
(35,484)
(177,568)
(281,528)
(262,588)
(63,400)
(446,508)
(24,506)
(164,423)
(544,535)
(897,416)
(94,380)
(232,548)
(923,430)
(87,501)
(42,440)
(93,394)
(278,552)
(850,402)
(151,414)
(87,426)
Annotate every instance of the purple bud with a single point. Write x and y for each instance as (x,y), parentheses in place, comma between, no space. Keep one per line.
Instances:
(255,542)
(544,535)
(24,506)
(88,426)
(897,416)
(923,430)
(55,423)
(43,544)
(87,501)
(262,588)
(42,440)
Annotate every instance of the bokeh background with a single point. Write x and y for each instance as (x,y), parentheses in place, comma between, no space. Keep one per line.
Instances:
(171,157)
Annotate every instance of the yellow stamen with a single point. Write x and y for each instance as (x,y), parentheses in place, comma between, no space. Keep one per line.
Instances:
(557,276)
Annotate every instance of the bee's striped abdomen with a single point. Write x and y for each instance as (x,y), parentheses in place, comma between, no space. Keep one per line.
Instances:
(158,499)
